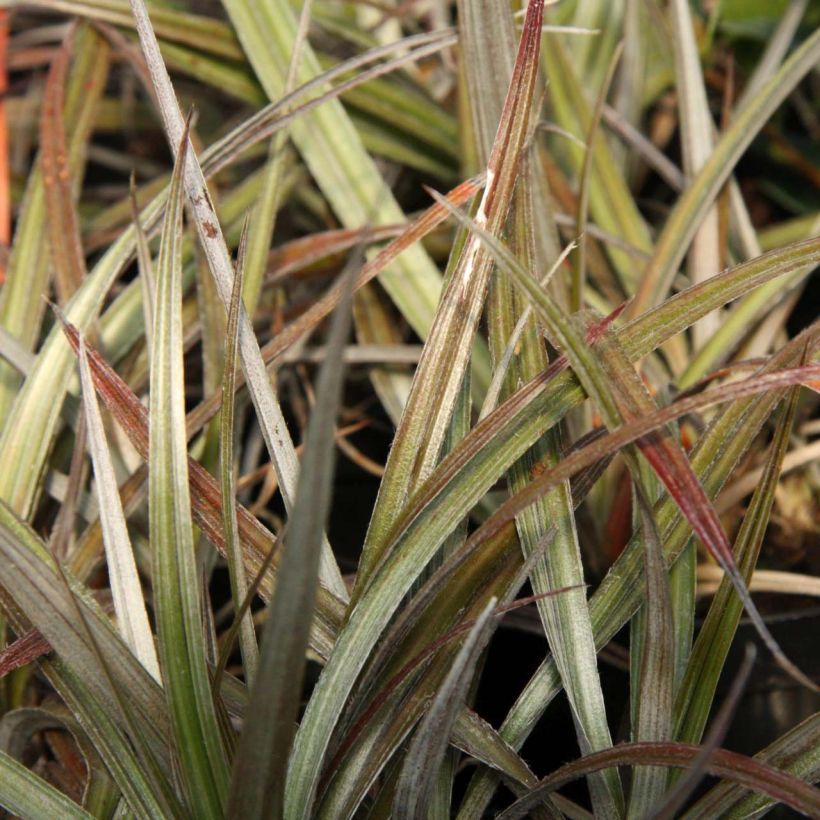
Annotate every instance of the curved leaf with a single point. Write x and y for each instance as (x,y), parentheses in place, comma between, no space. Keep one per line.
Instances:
(25,794)
(747,771)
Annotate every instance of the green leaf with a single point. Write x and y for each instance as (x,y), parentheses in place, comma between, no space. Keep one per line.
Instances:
(796,752)
(618,597)
(25,794)
(565,618)
(258,786)
(333,152)
(263,221)
(429,744)
(694,699)
(653,717)
(93,668)
(233,547)
(268,412)
(579,273)
(196,30)
(439,375)
(677,797)
(626,400)
(176,579)
(698,198)
(206,504)
(148,285)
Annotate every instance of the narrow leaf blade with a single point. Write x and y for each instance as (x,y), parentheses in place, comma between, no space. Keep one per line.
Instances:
(176,579)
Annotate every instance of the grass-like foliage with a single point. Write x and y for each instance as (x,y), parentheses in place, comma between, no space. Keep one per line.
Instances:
(382,383)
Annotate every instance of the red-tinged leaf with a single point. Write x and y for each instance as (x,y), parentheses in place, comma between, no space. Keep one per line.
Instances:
(377,737)
(305,251)
(724,442)
(628,402)
(61,213)
(794,752)
(439,376)
(415,682)
(653,661)
(513,128)
(749,772)
(426,750)
(706,661)
(425,422)
(206,500)
(453,566)
(666,456)
(419,659)
(605,444)
(628,434)
(676,797)
(485,428)
(415,231)
(25,649)
(536,406)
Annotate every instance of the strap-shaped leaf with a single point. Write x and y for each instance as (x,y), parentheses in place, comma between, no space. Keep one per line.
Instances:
(694,699)
(129,604)
(653,717)
(795,752)
(268,412)
(418,440)
(750,772)
(25,794)
(333,151)
(175,575)
(696,129)
(33,592)
(21,305)
(487,49)
(61,216)
(426,751)
(565,618)
(698,198)
(626,402)
(618,597)
(291,333)
(206,501)
(233,547)
(343,666)
(258,785)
